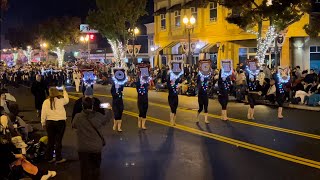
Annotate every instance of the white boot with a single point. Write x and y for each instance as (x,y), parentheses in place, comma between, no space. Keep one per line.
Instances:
(143,123)
(198,117)
(139,122)
(280,116)
(252,113)
(224,115)
(249,113)
(119,125)
(114,125)
(171,118)
(206,118)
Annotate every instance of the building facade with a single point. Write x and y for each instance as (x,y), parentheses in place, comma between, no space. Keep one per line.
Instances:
(214,38)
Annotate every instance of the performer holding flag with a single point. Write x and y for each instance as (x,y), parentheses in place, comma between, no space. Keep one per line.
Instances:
(176,71)
(119,77)
(254,88)
(224,84)
(142,86)
(204,75)
(282,77)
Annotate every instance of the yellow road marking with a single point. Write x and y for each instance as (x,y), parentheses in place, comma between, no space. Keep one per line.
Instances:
(289,131)
(253,147)
(235,142)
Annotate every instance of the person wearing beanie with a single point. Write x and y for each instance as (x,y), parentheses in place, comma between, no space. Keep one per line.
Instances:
(53,119)
(77,108)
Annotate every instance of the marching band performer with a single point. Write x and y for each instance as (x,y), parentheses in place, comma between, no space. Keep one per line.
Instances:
(224,83)
(202,85)
(77,78)
(282,77)
(254,88)
(176,70)
(142,86)
(119,78)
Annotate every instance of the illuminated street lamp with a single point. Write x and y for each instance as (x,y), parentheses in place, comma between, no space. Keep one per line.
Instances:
(86,39)
(189,23)
(135,32)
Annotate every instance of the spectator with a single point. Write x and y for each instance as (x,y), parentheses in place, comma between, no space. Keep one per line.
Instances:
(311,77)
(53,117)
(40,91)
(304,74)
(298,72)
(271,94)
(77,108)
(266,71)
(3,100)
(88,124)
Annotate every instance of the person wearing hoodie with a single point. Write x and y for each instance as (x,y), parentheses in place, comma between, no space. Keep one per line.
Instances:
(77,108)
(88,125)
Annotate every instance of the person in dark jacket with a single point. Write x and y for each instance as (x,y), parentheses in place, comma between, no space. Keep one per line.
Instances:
(88,125)
(77,108)
(40,91)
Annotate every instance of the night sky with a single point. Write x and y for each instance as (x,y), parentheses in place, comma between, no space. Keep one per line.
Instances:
(29,12)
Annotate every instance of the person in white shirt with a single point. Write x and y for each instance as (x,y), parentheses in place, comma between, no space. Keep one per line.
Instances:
(77,79)
(53,118)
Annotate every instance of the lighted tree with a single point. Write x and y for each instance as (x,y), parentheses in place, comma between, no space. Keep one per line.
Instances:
(250,16)
(113,19)
(58,33)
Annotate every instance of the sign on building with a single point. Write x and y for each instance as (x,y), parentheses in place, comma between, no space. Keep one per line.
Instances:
(85,28)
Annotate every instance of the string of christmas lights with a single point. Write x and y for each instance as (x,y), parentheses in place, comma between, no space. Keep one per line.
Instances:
(263,44)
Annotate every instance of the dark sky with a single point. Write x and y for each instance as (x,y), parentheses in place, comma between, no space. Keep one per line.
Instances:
(28,12)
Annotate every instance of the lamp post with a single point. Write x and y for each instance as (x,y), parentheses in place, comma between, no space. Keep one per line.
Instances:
(44,46)
(189,23)
(134,33)
(29,53)
(86,39)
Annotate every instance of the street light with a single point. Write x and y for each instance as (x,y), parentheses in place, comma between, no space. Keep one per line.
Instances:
(189,23)
(134,33)
(86,39)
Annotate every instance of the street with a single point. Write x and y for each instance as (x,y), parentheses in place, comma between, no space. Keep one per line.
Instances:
(266,148)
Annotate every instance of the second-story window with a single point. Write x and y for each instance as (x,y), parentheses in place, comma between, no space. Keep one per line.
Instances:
(194,12)
(163,21)
(177,18)
(213,11)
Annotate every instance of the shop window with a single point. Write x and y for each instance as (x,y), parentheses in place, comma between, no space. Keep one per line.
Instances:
(315,58)
(213,11)
(163,21)
(177,18)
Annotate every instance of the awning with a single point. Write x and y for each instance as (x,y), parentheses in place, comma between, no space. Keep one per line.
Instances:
(160,11)
(210,48)
(168,49)
(197,3)
(173,8)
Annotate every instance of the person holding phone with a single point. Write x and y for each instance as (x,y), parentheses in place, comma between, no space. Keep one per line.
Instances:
(53,118)
(117,105)
(89,124)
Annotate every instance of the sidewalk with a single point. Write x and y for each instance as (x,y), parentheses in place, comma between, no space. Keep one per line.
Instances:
(192,100)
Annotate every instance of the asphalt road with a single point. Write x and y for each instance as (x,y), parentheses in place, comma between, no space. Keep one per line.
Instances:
(266,148)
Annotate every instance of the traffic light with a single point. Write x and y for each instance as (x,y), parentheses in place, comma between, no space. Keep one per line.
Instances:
(91,36)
